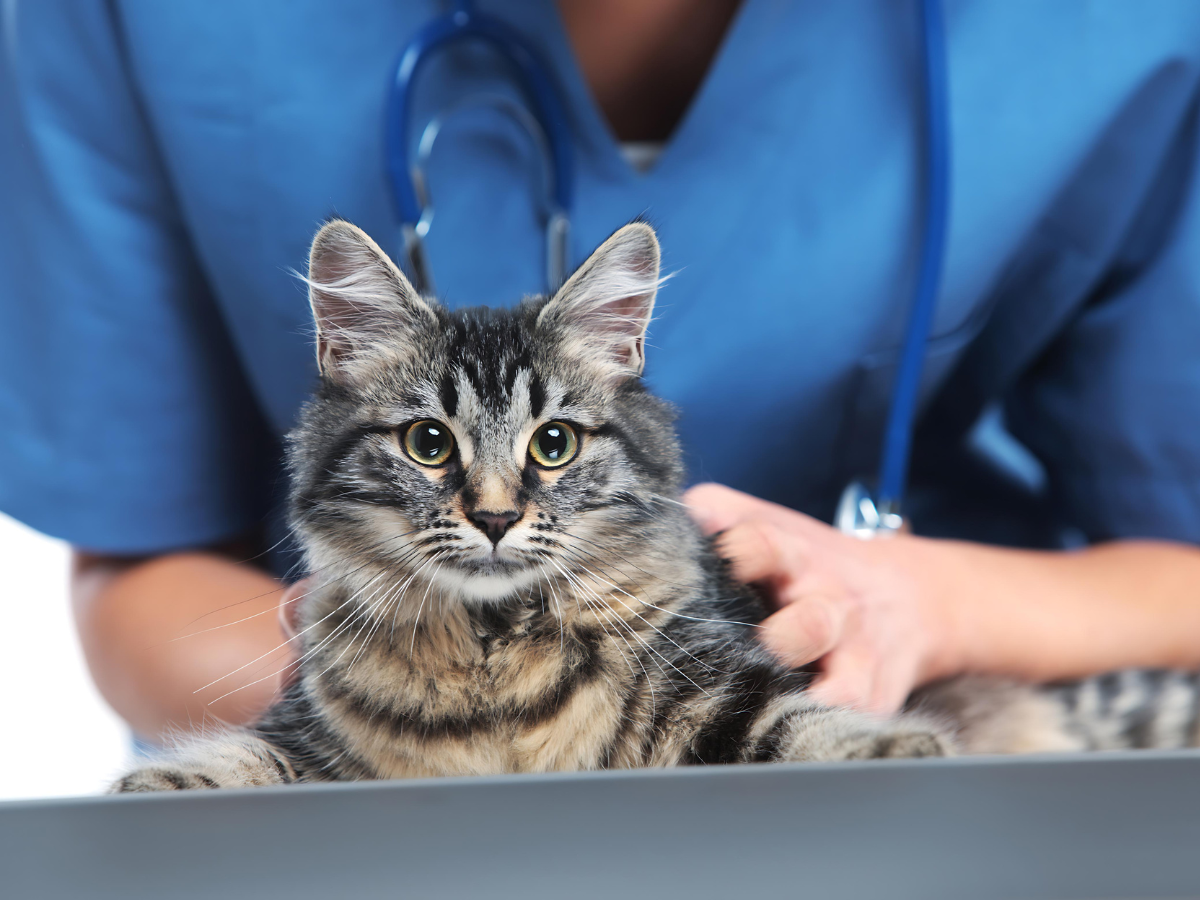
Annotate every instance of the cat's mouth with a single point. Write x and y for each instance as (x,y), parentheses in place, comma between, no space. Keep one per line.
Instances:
(487,578)
(494,563)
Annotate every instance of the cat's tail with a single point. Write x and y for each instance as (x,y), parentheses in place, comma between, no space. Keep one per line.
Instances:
(1130,709)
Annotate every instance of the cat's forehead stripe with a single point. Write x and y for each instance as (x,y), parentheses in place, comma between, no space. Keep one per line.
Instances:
(491,347)
(537,394)
(496,381)
(448,394)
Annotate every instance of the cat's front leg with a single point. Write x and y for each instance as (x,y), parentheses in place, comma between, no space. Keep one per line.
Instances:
(805,733)
(232,760)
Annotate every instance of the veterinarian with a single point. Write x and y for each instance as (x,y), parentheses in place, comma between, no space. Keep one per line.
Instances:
(164,166)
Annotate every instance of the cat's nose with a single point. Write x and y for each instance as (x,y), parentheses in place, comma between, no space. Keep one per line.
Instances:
(494,524)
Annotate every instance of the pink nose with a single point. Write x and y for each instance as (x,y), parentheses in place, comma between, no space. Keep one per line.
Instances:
(494,524)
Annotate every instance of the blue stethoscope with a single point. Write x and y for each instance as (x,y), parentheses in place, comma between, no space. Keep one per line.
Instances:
(861,512)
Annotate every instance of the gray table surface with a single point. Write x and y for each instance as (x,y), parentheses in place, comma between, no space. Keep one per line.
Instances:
(1096,826)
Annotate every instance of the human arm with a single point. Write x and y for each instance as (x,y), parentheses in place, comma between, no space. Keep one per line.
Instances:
(156,630)
(887,615)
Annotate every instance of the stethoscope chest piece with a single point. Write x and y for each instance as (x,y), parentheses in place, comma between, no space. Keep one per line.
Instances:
(858,514)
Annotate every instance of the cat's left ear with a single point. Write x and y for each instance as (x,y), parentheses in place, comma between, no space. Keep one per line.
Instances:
(363,305)
(604,308)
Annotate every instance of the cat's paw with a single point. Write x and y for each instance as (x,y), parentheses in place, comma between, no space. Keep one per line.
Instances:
(835,735)
(232,760)
(899,744)
(161,778)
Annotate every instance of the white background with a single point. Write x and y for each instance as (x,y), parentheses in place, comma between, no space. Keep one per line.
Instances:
(57,736)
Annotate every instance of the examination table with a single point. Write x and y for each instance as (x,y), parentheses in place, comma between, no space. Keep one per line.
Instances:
(1105,825)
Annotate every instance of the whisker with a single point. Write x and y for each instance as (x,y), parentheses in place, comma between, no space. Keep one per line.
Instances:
(648,624)
(280,646)
(648,646)
(417,619)
(382,545)
(576,555)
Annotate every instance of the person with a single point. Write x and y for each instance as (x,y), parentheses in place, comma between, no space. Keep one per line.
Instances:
(164,166)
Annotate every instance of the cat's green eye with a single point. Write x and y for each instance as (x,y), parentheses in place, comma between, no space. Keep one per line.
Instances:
(553,445)
(428,442)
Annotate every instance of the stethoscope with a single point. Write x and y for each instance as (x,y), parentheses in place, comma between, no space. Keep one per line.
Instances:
(861,511)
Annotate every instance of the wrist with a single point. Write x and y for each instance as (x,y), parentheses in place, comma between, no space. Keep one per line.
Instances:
(945,599)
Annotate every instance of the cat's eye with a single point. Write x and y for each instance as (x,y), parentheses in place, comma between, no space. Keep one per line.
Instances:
(554,444)
(428,442)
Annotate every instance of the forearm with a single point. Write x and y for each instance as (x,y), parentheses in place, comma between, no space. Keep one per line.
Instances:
(155,632)
(1051,615)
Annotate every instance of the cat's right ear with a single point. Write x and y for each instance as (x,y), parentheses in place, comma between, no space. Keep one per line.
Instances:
(605,307)
(363,305)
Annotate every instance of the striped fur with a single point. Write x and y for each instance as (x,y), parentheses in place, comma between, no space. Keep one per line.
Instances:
(600,630)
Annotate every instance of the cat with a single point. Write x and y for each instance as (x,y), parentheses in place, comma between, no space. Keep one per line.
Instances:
(504,579)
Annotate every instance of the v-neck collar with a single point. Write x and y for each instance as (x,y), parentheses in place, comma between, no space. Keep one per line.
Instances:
(593,134)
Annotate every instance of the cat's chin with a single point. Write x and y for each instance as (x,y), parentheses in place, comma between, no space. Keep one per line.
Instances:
(486,586)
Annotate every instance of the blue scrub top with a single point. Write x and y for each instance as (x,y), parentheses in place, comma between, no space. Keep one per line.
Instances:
(163,167)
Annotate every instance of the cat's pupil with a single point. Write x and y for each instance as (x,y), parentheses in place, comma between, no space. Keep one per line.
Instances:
(553,442)
(429,441)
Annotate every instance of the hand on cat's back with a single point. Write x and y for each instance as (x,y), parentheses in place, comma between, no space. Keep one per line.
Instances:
(868,610)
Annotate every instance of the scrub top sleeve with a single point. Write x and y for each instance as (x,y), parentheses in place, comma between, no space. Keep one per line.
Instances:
(1113,408)
(127,424)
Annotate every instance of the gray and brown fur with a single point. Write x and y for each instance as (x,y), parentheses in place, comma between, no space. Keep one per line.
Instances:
(599,629)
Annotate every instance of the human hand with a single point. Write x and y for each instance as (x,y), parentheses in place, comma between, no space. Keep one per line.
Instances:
(873,612)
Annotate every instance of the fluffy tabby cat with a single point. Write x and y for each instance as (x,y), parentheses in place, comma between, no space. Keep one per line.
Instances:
(505,581)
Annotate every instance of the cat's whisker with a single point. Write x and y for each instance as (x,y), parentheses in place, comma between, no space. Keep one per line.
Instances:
(293,663)
(582,587)
(371,621)
(277,647)
(265,612)
(661,499)
(600,608)
(315,649)
(380,546)
(617,633)
(398,594)
(648,623)
(557,612)
(412,646)
(653,651)
(355,598)
(311,652)
(592,559)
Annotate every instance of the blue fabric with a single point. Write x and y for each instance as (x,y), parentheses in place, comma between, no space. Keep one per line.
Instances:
(164,165)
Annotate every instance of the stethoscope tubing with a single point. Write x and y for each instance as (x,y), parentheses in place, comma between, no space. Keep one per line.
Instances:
(882,507)
(902,412)
(462,24)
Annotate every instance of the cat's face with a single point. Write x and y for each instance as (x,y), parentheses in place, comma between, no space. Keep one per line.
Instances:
(483,452)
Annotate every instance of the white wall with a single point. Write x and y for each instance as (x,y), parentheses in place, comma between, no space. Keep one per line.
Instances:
(57,737)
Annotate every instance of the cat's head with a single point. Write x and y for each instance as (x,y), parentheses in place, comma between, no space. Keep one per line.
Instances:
(484,451)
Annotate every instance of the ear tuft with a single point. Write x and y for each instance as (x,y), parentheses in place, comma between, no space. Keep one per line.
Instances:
(605,307)
(360,299)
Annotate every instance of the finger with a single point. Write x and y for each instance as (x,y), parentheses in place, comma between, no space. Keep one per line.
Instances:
(716,507)
(289,606)
(805,630)
(848,679)
(894,682)
(760,552)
